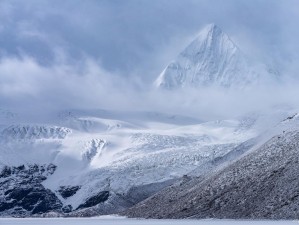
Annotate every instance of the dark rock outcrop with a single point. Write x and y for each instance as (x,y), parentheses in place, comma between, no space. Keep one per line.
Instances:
(68,191)
(96,199)
(22,192)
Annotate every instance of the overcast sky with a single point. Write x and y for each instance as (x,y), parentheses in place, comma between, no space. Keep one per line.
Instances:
(121,43)
(134,35)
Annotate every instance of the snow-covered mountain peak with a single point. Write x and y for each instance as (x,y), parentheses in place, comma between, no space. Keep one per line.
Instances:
(212,58)
(211,38)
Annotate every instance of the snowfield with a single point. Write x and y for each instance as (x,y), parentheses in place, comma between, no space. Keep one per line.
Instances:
(96,153)
(105,162)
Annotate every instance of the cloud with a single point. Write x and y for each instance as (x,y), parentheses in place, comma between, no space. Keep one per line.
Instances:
(26,84)
(139,36)
(105,54)
(38,91)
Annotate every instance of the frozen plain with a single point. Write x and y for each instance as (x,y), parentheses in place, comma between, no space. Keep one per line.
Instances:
(124,221)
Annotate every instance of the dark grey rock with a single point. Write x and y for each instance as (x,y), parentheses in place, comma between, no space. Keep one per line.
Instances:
(67,209)
(6,172)
(68,191)
(96,199)
(22,192)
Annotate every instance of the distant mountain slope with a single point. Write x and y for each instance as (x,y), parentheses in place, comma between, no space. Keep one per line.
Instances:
(106,162)
(262,185)
(34,132)
(211,59)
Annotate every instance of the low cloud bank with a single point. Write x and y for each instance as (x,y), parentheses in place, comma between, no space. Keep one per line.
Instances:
(28,87)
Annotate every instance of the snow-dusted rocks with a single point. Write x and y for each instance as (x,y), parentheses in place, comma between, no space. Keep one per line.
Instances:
(22,192)
(35,132)
(93,148)
(211,59)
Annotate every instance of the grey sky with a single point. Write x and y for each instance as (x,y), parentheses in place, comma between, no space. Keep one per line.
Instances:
(54,51)
(140,36)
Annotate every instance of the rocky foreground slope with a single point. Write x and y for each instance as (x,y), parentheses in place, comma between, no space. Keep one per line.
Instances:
(263,184)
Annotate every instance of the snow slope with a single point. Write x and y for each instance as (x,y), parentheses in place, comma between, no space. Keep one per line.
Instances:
(110,164)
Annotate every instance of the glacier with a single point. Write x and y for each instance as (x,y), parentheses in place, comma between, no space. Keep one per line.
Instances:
(104,165)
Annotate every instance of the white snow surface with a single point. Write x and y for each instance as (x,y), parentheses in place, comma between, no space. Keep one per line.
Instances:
(101,150)
(211,59)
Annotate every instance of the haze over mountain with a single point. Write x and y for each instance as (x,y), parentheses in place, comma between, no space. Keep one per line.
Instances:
(212,59)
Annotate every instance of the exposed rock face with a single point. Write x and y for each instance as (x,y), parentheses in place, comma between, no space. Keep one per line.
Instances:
(94,200)
(21,191)
(261,185)
(68,191)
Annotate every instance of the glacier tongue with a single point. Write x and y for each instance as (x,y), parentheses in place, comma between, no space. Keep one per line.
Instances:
(211,59)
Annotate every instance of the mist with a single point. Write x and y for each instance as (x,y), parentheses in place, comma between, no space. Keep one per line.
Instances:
(106,54)
(37,90)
